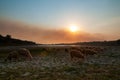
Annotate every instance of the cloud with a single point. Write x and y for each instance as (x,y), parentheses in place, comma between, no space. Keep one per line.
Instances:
(44,35)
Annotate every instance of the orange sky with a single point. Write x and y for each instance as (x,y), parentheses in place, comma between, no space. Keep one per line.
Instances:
(40,35)
(48,21)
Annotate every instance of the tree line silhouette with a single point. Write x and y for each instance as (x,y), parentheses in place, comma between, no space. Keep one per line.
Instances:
(95,43)
(9,41)
(100,43)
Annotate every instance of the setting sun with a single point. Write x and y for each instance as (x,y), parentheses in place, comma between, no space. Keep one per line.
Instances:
(73,28)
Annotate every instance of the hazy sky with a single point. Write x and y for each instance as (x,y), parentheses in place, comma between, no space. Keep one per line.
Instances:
(91,16)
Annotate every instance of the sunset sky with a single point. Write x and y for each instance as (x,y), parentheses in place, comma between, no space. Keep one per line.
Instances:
(49,21)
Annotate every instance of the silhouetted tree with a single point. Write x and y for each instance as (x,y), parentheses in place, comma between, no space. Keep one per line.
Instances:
(8,36)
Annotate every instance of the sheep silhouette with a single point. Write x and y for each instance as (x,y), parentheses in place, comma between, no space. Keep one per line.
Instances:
(21,53)
(77,54)
(25,53)
(12,56)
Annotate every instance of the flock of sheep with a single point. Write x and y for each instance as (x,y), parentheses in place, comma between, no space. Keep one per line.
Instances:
(74,52)
(82,52)
(19,54)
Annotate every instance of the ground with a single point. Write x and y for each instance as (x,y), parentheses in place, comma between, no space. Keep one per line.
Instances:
(55,64)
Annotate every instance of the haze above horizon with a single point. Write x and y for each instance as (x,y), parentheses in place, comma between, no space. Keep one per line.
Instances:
(48,21)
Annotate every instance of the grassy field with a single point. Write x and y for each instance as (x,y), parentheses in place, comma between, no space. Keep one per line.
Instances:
(55,64)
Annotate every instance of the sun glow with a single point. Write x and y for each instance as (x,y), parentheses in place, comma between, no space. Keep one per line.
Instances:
(73,28)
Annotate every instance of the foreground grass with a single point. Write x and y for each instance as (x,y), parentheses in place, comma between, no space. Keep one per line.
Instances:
(72,71)
(51,65)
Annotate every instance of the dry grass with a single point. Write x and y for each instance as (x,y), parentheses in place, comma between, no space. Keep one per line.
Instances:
(55,64)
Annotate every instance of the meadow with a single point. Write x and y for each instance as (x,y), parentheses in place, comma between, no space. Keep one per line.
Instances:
(54,63)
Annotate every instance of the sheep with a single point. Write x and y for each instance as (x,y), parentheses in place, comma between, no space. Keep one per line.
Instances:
(88,51)
(77,54)
(19,54)
(25,53)
(14,55)
(98,49)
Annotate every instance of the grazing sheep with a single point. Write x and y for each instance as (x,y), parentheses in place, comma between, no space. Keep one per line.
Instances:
(77,54)
(88,51)
(97,49)
(19,54)
(25,53)
(12,56)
